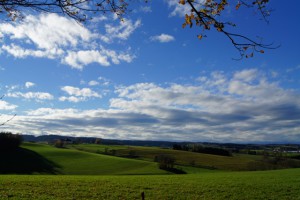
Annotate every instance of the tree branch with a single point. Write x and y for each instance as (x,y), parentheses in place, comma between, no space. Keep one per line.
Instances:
(206,17)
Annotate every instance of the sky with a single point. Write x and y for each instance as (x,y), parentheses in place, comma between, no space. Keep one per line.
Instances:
(147,78)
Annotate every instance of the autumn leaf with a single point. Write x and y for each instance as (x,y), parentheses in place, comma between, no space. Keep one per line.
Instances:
(262,51)
(237,6)
(182,2)
(200,37)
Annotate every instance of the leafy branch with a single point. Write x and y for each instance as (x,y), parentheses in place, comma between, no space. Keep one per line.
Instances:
(206,15)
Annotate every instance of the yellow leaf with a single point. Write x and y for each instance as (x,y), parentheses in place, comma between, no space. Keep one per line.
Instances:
(182,2)
(200,37)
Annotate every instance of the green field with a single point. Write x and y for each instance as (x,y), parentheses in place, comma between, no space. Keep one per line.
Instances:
(88,174)
(236,162)
(278,184)
(44,159)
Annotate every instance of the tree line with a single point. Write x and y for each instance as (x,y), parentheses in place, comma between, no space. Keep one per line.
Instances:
(198,148)
(9,141)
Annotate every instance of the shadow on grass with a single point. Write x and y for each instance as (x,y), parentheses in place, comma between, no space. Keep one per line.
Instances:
(175,171)
(24,161)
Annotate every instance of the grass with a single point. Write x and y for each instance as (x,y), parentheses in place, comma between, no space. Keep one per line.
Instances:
(70,161)
(24,161)
(236,162)
(127,178)
(278,184)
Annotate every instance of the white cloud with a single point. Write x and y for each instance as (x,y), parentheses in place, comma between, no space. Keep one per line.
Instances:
(220,108)
(12,87)
(179,9)
(93,83)
(84,92)
(246,75)
(29,84)
(162,38)
(103,57)
(72,99)
(31,95)
(55,37)
(20,52)
(81,58)
(104,81)
(47,31)
(122,31)
(146,9)
(77,94)
(7,106)
(99,19)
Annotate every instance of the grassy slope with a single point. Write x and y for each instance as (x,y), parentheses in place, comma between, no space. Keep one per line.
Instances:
(236,162)
(279,184)
(70,161)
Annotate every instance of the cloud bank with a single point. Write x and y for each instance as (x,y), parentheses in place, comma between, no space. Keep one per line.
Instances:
(241,107)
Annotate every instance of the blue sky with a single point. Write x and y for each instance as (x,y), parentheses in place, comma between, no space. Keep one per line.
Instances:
(148,79)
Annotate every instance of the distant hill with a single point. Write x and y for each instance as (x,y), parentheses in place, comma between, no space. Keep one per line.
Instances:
(50,138)
(234,147)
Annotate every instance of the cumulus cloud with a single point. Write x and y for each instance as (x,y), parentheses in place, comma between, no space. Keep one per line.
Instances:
(73,99)
(93,83)
(246,75)
(20,52)
(163,38)
(77,94)
(47,31)
(31,95)
(29,84)
(122,31)
(7,106)
(103,57)
(55,37)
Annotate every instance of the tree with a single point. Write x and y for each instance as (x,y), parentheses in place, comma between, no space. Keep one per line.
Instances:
(9,141)
(165,161)
(203,13)
(59,143)
(98,141)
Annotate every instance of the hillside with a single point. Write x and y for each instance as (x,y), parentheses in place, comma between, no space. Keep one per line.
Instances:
(69,161)
(233,163)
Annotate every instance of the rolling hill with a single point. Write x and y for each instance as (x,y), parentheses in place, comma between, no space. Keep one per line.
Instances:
(70,161)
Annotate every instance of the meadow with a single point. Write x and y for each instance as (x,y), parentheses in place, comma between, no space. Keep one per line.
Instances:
(70,161)
(40,171)
(276,184)
(237,162)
